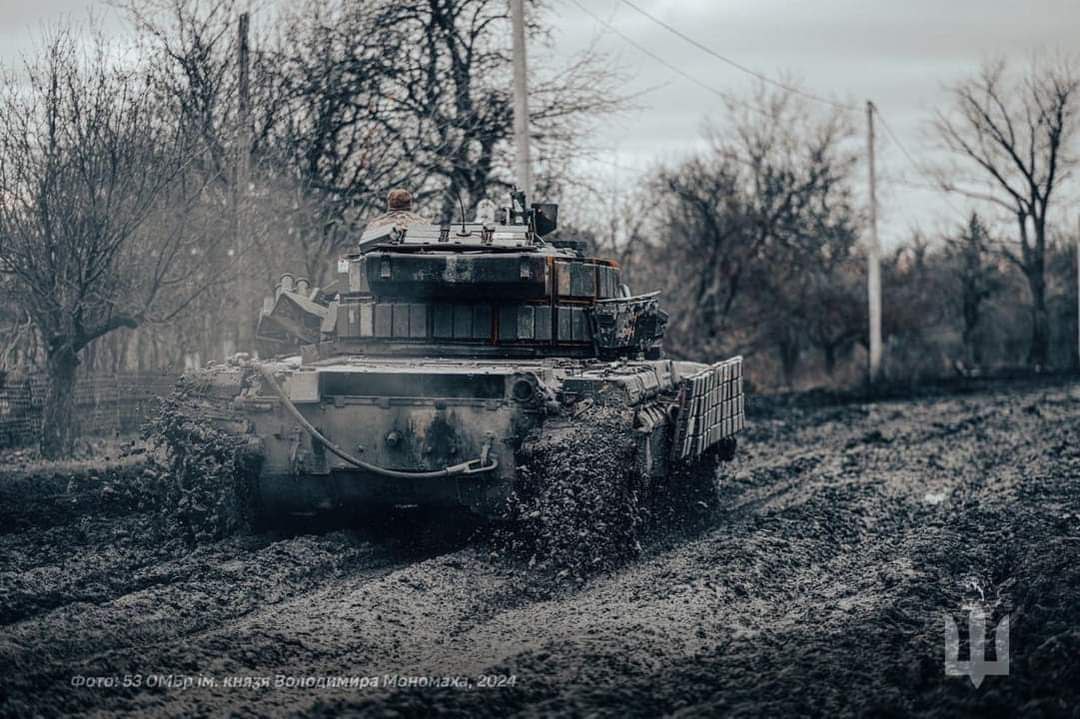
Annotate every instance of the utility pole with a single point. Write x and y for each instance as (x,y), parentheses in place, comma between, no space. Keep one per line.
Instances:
(1078,291)
(523,168)
(873,257)
(245,334)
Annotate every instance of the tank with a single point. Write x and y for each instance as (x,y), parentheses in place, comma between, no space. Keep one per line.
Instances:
(447,352)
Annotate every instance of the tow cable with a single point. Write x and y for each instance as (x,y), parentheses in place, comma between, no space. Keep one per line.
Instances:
(473,466)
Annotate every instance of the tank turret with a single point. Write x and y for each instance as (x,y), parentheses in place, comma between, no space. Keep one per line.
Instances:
(478,289)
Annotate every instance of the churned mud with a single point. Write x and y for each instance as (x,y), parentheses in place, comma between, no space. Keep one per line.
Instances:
(816,580)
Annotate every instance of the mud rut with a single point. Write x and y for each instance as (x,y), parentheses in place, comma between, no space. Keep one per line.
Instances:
(816,582)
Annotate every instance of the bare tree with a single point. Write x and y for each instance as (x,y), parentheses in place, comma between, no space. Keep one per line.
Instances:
(760,231)
(85,159)
(1017,133)
(977,279)
(192,54)
(702,224)
(831,305)
(336,141)
(451,90)
(191,48)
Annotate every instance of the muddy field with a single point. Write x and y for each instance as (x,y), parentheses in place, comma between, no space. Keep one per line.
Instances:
(817,580)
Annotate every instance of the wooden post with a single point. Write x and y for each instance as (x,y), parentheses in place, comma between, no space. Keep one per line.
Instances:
(245,334)
(873,257)
(523,168)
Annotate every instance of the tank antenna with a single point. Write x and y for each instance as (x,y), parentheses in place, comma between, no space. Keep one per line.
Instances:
(461,204)
(521,100)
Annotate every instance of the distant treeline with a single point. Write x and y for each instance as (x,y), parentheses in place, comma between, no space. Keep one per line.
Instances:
(757,240)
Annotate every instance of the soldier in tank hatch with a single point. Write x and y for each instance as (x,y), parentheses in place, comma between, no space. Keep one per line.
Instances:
(399,211)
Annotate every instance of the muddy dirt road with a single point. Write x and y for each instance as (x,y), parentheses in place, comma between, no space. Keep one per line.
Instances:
(817,581)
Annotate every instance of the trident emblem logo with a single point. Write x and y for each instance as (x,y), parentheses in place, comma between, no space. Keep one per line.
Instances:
(978,666)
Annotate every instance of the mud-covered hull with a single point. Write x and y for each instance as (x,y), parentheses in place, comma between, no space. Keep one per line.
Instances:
(354,433)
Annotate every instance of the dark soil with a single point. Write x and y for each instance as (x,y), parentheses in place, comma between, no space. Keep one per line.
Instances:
(816,582)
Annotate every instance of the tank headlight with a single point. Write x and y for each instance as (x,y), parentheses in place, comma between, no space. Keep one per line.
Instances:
(522,390)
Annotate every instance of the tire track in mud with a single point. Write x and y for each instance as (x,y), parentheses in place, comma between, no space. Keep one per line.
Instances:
(169,624)
(838,539)
(378,625)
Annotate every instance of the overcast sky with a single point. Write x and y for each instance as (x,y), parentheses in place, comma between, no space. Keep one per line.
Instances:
(899,54)
(902,55)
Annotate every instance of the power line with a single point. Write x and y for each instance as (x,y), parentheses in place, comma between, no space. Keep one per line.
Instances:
(738,66)
(641,48)
(911,159)
(764,78)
